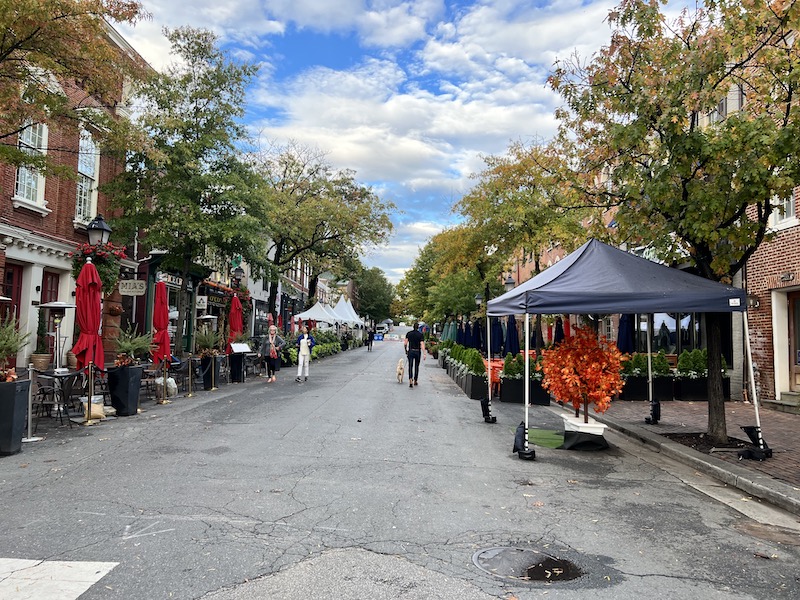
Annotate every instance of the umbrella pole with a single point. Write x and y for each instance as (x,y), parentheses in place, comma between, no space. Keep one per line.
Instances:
(190,370)
(164,383)
(527,454)
(90,391)
(30,437)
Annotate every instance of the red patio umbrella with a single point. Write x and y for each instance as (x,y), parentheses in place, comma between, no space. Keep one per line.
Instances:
(235,324)
(89,346)
(160,324)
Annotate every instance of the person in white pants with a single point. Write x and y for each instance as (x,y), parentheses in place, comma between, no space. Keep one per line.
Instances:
(304,345)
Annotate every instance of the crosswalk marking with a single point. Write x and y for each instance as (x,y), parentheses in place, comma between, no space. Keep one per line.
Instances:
(22,579)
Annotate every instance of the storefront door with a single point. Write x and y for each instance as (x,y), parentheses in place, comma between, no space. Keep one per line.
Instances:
(794,341)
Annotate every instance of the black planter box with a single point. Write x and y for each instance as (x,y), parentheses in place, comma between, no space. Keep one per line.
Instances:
(512,390)
(693,390)
(696,390)
(210,373)
(236,362)
(476,387)
(13,408)
(124,384)
(539,395)
(636,389)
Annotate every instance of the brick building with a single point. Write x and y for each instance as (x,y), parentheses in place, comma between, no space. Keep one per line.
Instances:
(43,217)
(773,287)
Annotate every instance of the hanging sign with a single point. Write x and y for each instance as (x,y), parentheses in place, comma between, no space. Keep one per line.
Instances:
(132,287)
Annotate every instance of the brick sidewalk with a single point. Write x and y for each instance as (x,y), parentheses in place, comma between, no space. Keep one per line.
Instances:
(781,431)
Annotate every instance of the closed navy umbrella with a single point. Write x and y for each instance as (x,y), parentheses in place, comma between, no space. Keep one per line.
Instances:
(512,338)
(467,335)
(460,334)
(497,336)
(625,334)
(558,336)
(478,340)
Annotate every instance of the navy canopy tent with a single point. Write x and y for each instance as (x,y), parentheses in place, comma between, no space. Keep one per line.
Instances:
(600,279)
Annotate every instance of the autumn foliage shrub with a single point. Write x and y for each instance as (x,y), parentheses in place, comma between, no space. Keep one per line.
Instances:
(582,369)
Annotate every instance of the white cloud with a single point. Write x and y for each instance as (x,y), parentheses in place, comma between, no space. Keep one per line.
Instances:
(426,99)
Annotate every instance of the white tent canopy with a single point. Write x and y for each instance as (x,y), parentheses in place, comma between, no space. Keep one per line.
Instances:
(343,307)
(317,312)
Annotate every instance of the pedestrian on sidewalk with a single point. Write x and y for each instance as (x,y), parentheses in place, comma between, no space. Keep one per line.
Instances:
(370,339)
(270,352)
(415,348)
(304,345)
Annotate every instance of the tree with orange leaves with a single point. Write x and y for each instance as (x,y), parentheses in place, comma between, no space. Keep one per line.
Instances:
(583,368)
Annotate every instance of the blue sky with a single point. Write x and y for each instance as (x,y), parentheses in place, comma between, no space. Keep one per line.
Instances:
(409,94)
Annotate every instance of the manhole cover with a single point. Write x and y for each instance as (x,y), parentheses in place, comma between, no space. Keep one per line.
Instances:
(522,563)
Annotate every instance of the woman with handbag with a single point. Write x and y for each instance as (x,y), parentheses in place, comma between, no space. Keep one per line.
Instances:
(271,352)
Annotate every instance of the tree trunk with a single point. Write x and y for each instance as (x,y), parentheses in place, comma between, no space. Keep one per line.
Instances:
(187,265)
(312,286)
(717,427)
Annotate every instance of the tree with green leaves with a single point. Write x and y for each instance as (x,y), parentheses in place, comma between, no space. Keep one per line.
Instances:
(194,197)
(690,130)
(375,293)
(523,205)
(60,66)
(313,212)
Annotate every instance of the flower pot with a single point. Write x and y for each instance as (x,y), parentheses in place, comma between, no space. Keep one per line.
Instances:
(694,390)
(13,408)
(636,388)
(476,387)
(211,370)
(236,362)
(512,390)
(539,395)
(41,362)
(124,384)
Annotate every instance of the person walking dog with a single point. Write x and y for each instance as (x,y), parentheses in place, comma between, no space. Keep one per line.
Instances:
(414,345)
(304,345)
(270,352)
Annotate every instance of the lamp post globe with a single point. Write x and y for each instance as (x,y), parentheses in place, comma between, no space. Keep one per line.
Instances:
(509,283)
(98,230)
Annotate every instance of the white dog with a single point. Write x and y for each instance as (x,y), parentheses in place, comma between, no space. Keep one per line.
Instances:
(401,370)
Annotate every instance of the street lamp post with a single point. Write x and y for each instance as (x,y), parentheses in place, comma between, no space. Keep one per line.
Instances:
(58,309)
(509,283)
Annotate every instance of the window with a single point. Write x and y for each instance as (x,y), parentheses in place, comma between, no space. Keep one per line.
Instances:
(784,213)
(29,188)
(88,167)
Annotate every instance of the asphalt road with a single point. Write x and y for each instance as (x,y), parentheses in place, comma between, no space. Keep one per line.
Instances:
(352,486)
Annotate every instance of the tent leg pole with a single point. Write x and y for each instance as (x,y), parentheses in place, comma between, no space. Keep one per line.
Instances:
(487,417)
(527,453)
(751,374)
(655,406)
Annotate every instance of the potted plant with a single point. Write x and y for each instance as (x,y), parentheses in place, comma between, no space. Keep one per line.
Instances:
(538,394)
(41,355)
(583,369)
(125,377)
(693,375)
(634,373)
(511,385)
(207,342)
(13,393)
(476,386)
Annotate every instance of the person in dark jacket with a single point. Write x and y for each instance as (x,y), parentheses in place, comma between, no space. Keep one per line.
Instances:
(270,352)
(415,348)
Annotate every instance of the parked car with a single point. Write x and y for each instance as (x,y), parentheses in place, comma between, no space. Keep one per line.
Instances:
(382,328)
